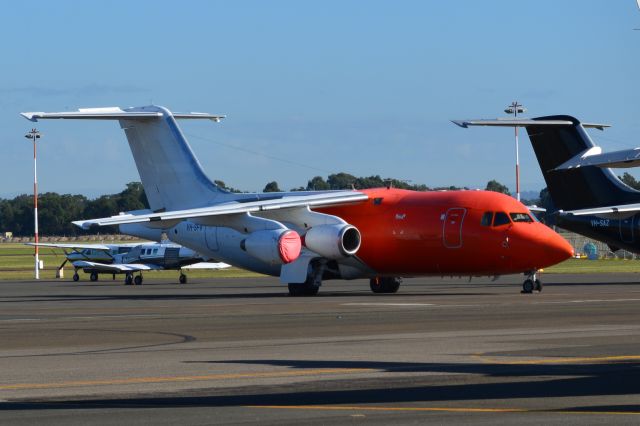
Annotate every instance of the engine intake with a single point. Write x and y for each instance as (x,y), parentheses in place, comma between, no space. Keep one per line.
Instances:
(279,246)
(333,241)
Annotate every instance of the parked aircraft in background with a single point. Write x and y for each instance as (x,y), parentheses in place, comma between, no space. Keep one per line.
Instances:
(129,259)
(588,197)
(381,234)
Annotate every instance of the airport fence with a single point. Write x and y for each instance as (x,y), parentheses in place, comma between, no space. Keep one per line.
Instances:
(604,252)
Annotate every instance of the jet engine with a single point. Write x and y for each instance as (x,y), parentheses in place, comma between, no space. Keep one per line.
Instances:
(333,241)
(141,231)
(277,246)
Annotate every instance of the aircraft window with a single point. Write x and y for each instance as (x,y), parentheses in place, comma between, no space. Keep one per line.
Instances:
(486,219)
(520,217)
(122,250)
(155,251)
(501,219)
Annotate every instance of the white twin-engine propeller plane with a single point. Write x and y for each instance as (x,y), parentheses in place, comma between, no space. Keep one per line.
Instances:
(129,259)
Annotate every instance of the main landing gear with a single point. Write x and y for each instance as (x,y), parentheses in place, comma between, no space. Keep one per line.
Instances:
(385,284)
(532,283)
(130,279)
(312,284)
(183,278)
(76,277)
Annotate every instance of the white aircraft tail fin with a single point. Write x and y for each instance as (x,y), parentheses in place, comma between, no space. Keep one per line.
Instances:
(170,173)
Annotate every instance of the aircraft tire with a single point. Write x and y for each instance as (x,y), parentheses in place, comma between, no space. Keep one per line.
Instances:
(93,276)
(385,284)
(528,286)
(304,289)
(183,279)
(76,277)
(537,285)
(138,280)
(128,279)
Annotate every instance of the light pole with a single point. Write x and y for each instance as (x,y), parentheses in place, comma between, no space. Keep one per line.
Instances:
(33,135)
(514,109)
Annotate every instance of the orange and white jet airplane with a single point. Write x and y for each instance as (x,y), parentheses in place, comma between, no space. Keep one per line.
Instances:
(306,237)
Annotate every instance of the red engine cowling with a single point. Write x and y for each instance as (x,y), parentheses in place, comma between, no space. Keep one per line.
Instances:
(278,246)
(333,241)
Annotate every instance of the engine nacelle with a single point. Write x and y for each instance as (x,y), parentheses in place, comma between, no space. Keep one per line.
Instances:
(141,231)
(333,241)
(275,246)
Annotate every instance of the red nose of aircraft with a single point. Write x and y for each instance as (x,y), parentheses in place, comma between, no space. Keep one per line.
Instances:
(541,245)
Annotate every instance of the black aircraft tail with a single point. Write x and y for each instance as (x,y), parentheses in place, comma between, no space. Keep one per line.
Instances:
(577,188)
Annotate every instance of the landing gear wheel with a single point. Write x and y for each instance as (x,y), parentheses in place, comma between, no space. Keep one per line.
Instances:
(128,279)
(527,286)
(537,285)
(308,288)
(93,276)
(76,277)
(385,284)
(183,279)
(138,280)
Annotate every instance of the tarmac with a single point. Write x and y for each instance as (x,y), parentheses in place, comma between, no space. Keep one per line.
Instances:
(235,351)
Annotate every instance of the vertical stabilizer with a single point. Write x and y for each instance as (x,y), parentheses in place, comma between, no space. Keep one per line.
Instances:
(577,188)
(171,174)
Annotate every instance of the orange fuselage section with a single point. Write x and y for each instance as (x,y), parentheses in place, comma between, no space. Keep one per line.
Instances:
(450,233)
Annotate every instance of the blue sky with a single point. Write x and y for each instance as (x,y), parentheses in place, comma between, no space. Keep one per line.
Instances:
(312,88)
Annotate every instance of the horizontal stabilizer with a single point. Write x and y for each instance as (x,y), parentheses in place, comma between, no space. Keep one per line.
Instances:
(316,200)
(115,113)
(523,122)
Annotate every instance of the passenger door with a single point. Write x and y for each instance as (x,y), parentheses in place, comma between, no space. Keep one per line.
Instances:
(452,227)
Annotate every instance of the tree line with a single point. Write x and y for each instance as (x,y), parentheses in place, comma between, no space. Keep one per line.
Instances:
(57,211)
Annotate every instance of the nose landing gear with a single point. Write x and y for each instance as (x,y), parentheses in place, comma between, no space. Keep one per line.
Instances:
(532,283)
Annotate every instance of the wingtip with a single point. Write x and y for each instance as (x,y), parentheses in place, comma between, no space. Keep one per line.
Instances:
(460,123)
(31,116)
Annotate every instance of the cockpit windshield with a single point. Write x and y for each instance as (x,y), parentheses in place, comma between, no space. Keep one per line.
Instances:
(520,217)
(501,219)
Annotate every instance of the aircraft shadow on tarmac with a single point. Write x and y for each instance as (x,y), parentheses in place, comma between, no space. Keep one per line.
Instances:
(577,380)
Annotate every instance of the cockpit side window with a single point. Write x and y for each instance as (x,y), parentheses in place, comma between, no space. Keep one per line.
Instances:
(501,219)
(487,217)
(520,217)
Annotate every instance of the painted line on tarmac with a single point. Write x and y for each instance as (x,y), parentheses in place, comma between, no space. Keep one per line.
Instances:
(587,301)
(173,379)
(439,409)
(574,360)
(387,304)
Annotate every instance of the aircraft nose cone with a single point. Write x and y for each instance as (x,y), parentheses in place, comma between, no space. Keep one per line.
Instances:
(559,249)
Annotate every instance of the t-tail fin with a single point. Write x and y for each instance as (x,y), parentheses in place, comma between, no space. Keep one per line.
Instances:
(170,173)
(577,188)
(557,139)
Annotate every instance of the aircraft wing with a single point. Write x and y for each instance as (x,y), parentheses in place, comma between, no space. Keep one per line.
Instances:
(594,157)
(72,246)
(313,200)
(208,265)
(117,267)
(622,208)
